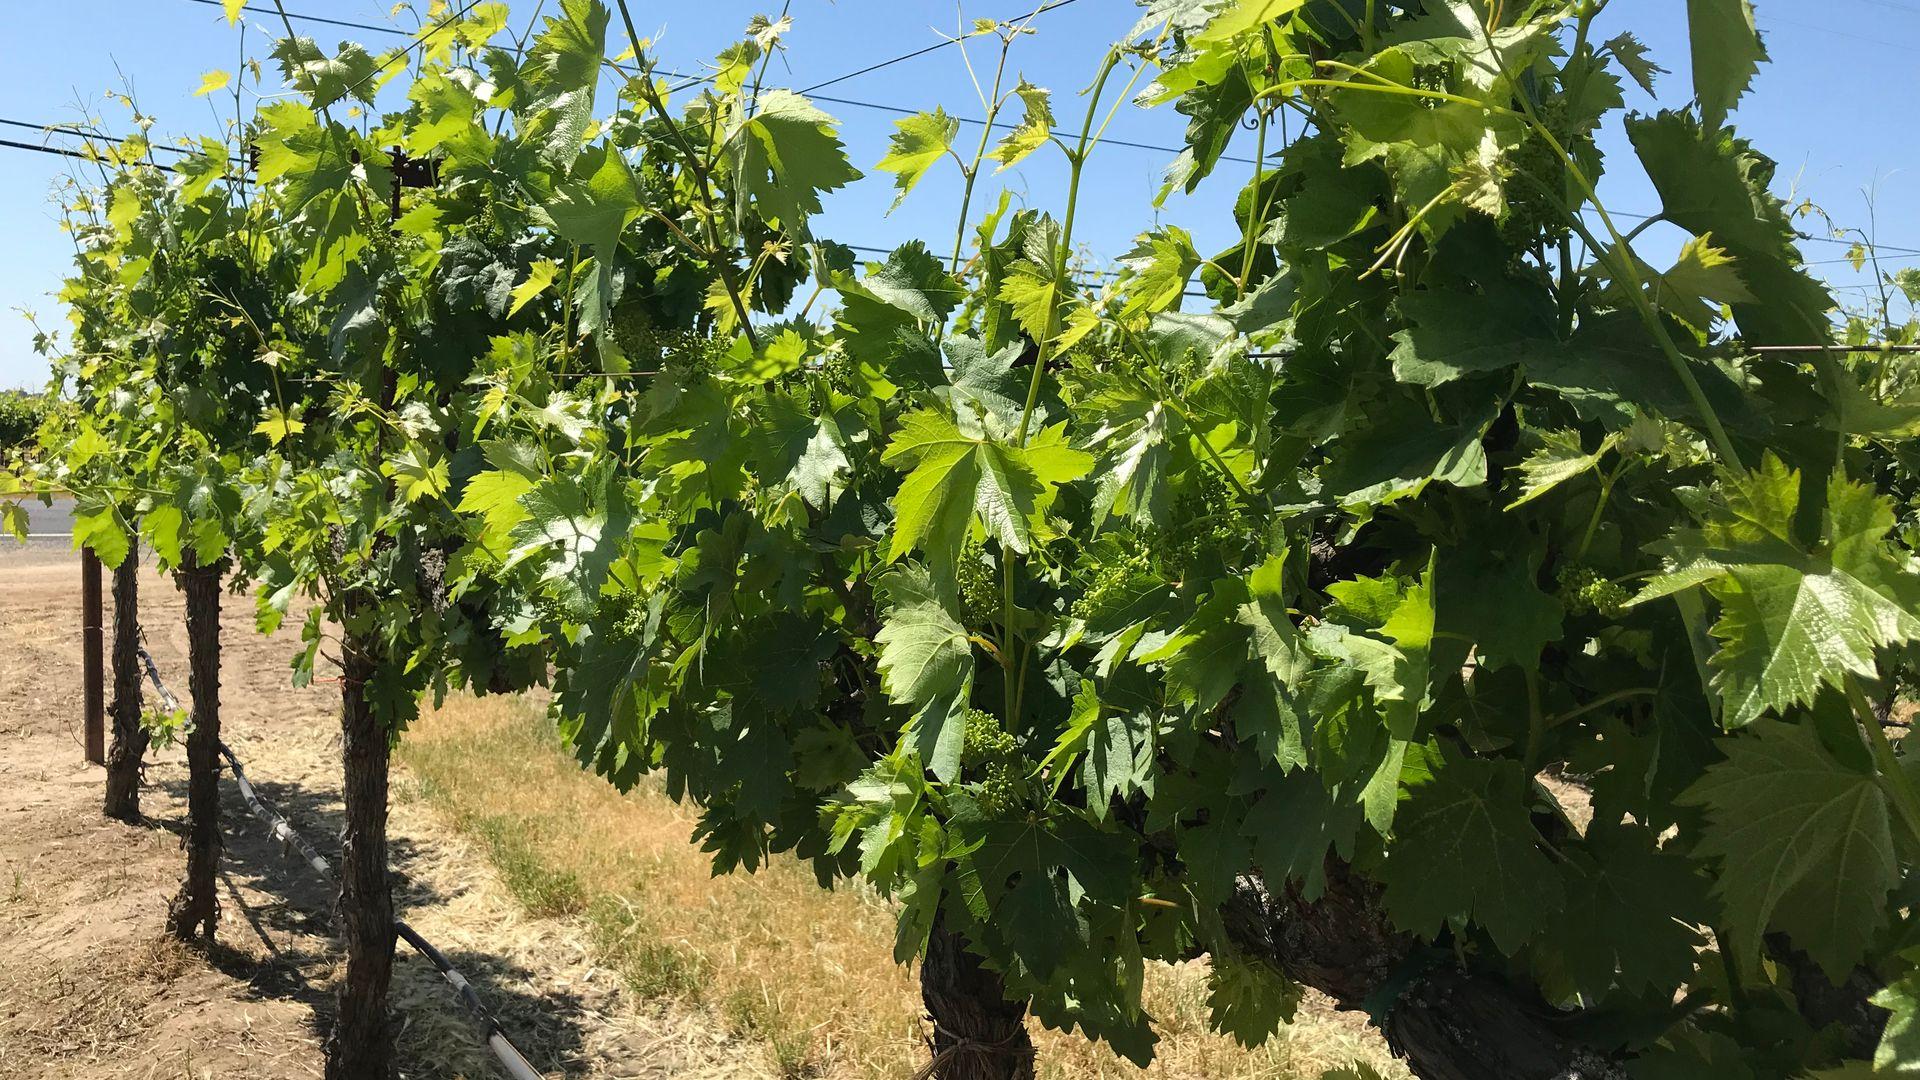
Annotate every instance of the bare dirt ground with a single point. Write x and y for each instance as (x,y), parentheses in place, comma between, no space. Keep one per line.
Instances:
(91,990)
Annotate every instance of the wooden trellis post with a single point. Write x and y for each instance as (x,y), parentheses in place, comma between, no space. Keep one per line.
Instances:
(93,648)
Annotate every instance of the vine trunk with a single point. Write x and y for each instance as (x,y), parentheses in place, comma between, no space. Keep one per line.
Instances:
(196,908)
(129,747)
(977,1033)
(360,1046)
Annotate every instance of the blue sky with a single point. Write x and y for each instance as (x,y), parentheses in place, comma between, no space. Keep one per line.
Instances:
(1831,109)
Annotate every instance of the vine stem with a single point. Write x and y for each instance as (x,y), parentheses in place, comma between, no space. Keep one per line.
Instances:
(1892,778)
(702,180)
(1077,159)
(971,173)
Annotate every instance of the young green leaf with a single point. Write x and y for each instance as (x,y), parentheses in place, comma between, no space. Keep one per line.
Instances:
(1034,129)
(919,141)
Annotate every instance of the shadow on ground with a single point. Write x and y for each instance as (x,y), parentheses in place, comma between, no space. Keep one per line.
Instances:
(295,928)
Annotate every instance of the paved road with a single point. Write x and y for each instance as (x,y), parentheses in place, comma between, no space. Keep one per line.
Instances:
(47,527)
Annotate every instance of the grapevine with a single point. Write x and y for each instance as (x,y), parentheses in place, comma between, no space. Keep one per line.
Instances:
(1239,606)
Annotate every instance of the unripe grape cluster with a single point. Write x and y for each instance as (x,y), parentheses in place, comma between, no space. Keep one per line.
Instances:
(1584,592)
(1207,519)
(1112,584)
(993,748)
(979,593)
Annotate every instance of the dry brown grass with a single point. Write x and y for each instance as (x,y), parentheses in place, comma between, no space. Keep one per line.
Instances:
(806,972)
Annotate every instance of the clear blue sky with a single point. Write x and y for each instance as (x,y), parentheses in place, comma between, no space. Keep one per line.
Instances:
(1832,108)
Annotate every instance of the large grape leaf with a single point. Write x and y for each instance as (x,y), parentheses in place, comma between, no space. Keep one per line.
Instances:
(1207,656)
(326,79)
(1464,851)
(1803,842)
(1025,878)
(955,474)
(1727,53)
(788,153)
(560,74)
(926,662)
(1631,911)
(1456,334)
(1712,183)
(1793,619)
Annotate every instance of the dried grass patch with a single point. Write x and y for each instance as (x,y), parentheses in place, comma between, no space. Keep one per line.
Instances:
(806,972)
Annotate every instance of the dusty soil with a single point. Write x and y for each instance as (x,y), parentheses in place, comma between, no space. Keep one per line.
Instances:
(89,987)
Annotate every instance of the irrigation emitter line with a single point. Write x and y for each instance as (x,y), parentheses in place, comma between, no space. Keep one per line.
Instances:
(503,1049)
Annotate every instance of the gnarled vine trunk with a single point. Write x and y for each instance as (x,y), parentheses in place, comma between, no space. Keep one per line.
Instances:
(196,908)
(360,1046)
(129,747)
(977,1033)
(1449,1023)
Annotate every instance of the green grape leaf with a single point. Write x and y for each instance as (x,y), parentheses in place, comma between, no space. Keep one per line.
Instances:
(787,154)
(418,472)
(1034,129)
(13,519)
(1026,877)
(1630,916)
(97,526)
(1248,999)
(277,426)
(1133,436)
(1459,334)
(1558,459)
(1899,1051)
(955,475)
(1494,600)
(1711,183)
(326,79)
(577,531)
(1161,262)
(559,77)
(1034,293)
(1804,844)
(1276,641)
(1632,54)
(539,278)
(1206,658)
(1293,826)
(1397,457)
(1239,16)
(919,141)
(1793,620)
(1701,273)
(1465,851)
(596,201)
(1105,743)
(1727,53)
(926,661)
(495,496)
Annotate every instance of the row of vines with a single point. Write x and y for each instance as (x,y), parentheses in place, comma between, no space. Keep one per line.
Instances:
(1428,600)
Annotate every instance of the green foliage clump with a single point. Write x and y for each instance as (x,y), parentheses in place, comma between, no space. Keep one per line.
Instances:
(21,415)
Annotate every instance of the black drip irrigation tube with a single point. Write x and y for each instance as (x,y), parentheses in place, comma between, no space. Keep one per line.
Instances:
(503,1049)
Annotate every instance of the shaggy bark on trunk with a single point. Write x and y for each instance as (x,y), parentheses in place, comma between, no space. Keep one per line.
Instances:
(977,1033)
(128,750)
(360,1046)
(196,908)
(1448,1023)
